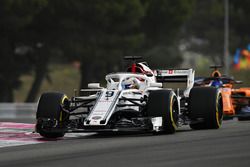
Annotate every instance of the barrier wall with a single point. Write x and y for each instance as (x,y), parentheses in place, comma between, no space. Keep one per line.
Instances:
(17,110)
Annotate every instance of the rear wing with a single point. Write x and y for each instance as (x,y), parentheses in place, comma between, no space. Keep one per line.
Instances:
(176,76)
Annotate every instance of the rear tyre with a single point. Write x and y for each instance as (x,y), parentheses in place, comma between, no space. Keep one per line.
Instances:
(163,103)
(51,118)
(206,108)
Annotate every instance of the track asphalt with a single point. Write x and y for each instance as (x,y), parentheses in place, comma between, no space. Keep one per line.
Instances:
(228,146)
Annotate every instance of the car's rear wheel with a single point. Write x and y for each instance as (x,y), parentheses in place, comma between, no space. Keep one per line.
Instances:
(206,108)
(51,117)
(163,103)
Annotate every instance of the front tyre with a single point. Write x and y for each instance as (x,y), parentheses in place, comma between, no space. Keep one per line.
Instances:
(51,116)
(163,103)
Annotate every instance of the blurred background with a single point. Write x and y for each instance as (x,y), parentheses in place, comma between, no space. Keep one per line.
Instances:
(61,45)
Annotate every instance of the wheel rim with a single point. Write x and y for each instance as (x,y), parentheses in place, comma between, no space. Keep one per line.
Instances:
(219,109)
(173,112)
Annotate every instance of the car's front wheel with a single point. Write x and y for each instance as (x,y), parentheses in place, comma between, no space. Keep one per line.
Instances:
(51,117)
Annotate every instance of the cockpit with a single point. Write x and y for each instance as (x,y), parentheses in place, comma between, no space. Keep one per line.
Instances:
(124,81)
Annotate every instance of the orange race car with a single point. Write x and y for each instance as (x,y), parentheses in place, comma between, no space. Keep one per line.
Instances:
(236,101)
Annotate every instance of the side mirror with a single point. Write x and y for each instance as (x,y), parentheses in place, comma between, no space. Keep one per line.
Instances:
(157,85)
(94,86)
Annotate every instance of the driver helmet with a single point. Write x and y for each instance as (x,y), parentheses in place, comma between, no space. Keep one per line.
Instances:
(129,84)
(217,83)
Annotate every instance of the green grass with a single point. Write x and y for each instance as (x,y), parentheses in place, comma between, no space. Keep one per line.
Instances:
(65,78)
(243,75)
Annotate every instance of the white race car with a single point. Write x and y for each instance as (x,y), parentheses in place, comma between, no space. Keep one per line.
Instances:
(132,101)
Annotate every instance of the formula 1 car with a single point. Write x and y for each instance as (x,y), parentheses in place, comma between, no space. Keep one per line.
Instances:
(236,102)
(132,101)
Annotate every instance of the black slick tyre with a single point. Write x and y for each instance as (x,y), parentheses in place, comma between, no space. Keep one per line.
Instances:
(50,116)
(163,103)
(206,108)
